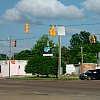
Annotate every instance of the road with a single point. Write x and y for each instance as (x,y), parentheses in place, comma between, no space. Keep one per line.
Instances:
(49,90)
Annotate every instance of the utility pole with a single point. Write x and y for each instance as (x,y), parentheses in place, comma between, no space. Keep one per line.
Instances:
(9,53)
(6,56)
(59,59)
(81,54)
(98,58)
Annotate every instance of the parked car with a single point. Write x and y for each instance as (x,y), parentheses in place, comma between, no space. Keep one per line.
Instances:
(90,74)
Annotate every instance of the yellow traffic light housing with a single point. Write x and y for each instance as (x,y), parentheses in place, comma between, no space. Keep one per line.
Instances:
(52,31)
(26,28)
(93,39)
(15,42)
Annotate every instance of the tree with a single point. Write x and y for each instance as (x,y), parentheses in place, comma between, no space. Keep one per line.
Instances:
(89,50)
(40,64)
(65,54)
(84,38)
(23,55)
(3,57)
(41,43)
(75,40)
(80,39)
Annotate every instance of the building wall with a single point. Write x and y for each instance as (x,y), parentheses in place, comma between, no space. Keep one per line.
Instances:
(15,69)
(70,68)
(87,66)
(77,70)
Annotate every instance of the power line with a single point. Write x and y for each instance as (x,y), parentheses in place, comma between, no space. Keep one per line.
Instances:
(27,38)
(21,38)
(88,24)
(83,24)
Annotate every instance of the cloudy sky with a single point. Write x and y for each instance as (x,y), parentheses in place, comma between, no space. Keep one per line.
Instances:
(75,15)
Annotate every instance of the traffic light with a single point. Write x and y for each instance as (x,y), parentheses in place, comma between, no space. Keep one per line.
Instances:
(26,28)
(93,39)
(15,42)
(52,31)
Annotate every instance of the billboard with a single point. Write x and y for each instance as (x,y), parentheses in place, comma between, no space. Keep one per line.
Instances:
(47,51)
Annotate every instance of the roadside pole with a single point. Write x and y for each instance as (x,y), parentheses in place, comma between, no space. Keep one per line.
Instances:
(9,53)
(61,32)
(59,59)
(81,54)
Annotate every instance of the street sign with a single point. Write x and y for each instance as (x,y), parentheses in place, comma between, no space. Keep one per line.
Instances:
(61,30)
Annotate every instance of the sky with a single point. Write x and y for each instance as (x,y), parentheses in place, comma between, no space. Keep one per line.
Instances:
(74,15)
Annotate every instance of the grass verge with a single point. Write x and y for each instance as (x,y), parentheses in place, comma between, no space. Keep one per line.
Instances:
(44,78)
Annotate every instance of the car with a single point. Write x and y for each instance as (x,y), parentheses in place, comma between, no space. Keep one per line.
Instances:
(90,74)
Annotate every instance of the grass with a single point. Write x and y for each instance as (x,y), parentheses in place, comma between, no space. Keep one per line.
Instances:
(43,78)
(32,78)
(74,78)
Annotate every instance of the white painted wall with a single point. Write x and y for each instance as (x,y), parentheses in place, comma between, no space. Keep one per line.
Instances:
(70,68)
(14,68)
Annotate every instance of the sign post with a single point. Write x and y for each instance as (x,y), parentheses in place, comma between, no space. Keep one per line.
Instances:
(61,32)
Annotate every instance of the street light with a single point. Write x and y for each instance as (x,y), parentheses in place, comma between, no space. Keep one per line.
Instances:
(9,53)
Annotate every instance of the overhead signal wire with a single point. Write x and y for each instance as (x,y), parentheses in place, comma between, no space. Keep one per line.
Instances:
(83,24)
(21,38)
(58,25)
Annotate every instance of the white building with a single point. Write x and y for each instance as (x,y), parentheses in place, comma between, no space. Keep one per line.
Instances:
(16,68)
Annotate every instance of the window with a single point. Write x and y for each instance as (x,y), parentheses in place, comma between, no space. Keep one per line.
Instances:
(88,72)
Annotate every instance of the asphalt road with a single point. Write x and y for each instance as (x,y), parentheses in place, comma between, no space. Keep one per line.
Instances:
(49,90)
